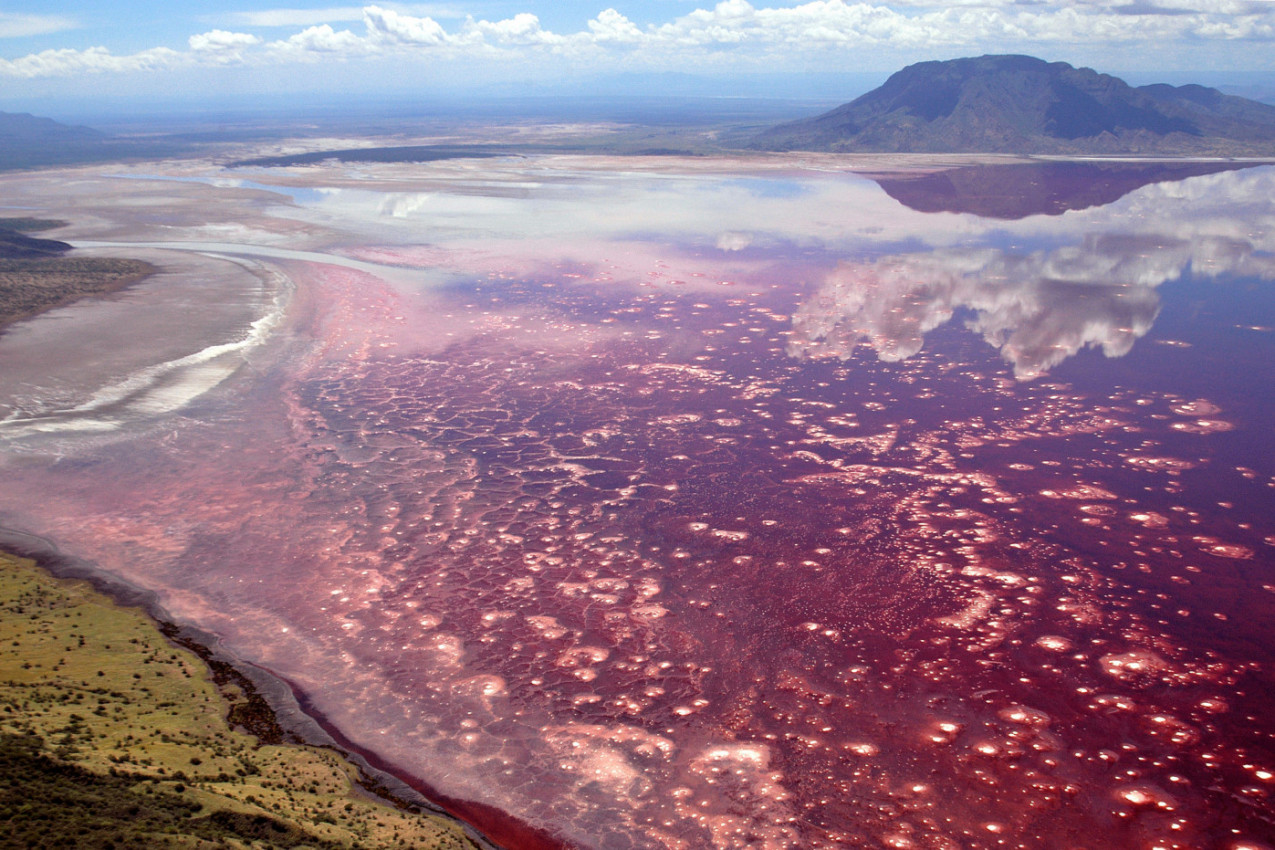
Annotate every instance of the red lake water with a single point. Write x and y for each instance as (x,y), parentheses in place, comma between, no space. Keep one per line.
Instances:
(674,505)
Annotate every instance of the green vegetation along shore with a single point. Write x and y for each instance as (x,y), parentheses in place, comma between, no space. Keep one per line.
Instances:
(35,276)
(111,736)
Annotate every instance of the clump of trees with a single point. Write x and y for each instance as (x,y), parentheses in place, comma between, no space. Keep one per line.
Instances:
(47,802)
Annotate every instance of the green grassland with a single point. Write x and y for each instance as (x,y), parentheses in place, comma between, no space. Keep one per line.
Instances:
(111,736)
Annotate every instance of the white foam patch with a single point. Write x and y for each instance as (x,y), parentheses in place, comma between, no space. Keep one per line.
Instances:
(157,389)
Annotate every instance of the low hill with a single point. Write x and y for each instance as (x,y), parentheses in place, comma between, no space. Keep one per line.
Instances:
(1020,104)
(16,245)
(21,128)
(27,141)
(30,141)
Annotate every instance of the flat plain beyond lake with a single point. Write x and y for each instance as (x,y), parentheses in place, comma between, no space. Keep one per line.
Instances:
(784,501)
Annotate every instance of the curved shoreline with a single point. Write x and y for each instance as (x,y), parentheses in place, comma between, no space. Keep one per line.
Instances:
(498,828)
(282,707)
(281,712)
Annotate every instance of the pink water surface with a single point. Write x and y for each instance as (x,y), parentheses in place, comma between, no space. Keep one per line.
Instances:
(640,566)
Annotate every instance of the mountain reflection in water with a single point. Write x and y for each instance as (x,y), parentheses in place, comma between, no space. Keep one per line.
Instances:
(697,506)
(1010,191)
(1099,290)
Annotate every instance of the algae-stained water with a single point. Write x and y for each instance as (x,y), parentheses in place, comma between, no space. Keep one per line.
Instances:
(719,505)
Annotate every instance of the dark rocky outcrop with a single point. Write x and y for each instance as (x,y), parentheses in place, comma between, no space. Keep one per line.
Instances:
(16,245)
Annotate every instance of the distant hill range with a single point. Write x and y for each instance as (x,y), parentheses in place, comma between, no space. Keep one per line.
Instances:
(1020,104)
(27,141)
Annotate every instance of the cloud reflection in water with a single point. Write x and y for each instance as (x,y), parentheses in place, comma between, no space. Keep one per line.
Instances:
(554,524)
(1036,308)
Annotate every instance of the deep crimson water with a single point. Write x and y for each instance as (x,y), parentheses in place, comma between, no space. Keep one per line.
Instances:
(946,545)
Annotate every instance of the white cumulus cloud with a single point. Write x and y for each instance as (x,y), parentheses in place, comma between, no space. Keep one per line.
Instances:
(522,29)
(222,40)
(610,27)
(94,60)
(730,33)
(321,39)
(221,47)
(387,25)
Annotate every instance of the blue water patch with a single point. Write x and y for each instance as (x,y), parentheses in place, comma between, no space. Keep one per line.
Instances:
(771,187)
(298,194)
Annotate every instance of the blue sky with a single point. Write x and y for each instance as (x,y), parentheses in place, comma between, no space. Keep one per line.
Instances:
(54,49)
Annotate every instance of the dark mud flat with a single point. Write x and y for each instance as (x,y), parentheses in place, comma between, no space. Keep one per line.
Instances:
(436,153)
(265,707)
(406,153)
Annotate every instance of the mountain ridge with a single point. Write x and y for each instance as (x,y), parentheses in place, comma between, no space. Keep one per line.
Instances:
(28,141)
(32,141)
(1021,104)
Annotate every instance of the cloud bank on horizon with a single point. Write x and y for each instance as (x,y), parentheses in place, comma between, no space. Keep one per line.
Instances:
(731,36)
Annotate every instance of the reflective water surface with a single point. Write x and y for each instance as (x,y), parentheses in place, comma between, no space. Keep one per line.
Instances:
(659,503)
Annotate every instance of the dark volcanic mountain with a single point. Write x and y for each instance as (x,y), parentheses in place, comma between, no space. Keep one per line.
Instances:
(1019,104)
